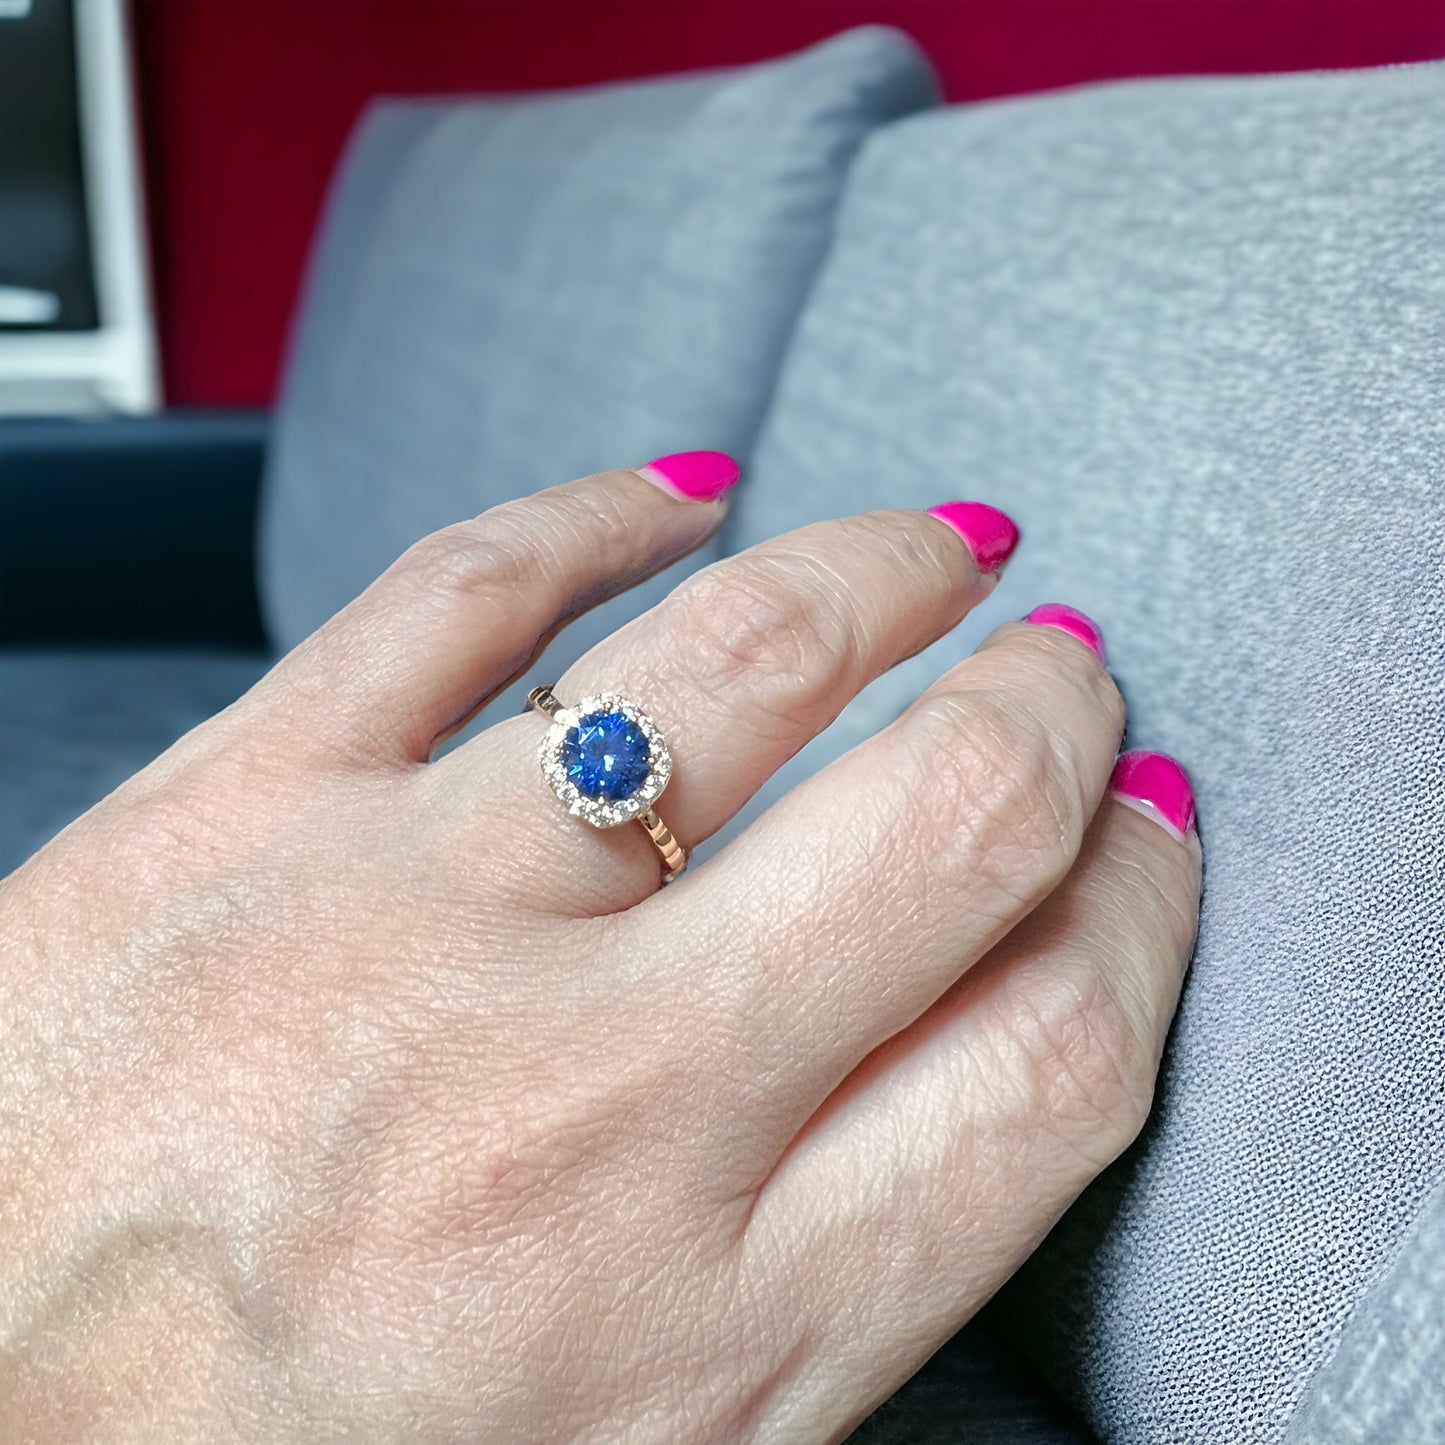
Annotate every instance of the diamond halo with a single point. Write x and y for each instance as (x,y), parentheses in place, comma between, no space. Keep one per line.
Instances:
(602,812)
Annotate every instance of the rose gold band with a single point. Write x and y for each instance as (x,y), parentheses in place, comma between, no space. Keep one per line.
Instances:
(674,855)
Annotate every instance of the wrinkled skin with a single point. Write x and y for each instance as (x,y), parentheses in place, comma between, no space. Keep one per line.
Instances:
(347,1094)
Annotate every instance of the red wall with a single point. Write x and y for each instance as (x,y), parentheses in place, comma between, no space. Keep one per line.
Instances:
(246,103)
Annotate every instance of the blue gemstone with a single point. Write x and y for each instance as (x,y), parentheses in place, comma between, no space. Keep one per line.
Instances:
(606,756)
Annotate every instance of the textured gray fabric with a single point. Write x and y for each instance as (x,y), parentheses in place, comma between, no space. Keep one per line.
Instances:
(513,292)
(970,1393)
(1383,1386)
(1190,334)
(75,725)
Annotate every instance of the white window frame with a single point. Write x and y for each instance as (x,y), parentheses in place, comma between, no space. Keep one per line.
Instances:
(114,367)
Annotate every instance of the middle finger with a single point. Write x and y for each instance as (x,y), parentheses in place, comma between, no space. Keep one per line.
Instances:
(856,901)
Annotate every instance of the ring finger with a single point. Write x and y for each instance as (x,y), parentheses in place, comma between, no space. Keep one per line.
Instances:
(738,668)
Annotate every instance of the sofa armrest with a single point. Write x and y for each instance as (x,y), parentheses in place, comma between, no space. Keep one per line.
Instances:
(134,530)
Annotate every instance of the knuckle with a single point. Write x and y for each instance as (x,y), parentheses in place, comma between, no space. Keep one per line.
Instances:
(1164,902)
(522,541)
(761,621)
(1090,1063)
(890,540)
(477,556)
(592,521)
(1105,697)
(907,1234)
(554,543)
(1059,669)
(1077,694)
(1001,801)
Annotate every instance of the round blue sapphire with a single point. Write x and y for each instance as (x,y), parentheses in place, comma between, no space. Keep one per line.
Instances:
(606,756)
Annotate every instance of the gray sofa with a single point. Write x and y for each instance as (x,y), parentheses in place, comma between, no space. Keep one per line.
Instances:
(1189,334)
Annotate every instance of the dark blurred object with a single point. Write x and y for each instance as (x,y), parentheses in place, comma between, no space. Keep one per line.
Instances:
(136,531)
(46,278)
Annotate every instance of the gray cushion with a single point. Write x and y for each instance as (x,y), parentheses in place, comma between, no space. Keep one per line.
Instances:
(74,725)
(514,292)
(1384,1384)
(1189,334)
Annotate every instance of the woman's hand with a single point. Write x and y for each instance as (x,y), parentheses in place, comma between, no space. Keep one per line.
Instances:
(349,1095)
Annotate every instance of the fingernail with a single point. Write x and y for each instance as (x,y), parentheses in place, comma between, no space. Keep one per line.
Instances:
(990,534)
(1070,620)
(693,476)
(1155,785)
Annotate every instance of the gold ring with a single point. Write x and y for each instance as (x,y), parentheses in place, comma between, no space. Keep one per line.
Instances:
(607,762)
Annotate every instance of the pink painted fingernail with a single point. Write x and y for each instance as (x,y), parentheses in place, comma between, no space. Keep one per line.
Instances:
(990,534)
(1155,785)
(1070,620)
(693,476)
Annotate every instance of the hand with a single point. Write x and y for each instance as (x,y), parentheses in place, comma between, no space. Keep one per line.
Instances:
(351,1095)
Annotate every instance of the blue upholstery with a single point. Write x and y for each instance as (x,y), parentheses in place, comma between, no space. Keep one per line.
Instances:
(128,608)
(76,724)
